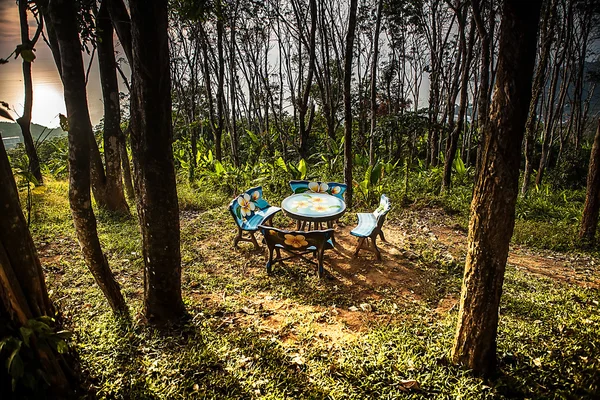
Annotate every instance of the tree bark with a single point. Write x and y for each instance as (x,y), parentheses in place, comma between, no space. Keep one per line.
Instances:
(25,120)
(61,17)
(115,197)
(467,51)
(591,208)
(348,102)
(122,23)
(23,293)
(303,101)
(493,206)
(374,84)
(546,37)
(151,141)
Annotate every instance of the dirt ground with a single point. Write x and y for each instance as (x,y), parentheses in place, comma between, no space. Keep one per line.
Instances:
(403,276)
(417,246)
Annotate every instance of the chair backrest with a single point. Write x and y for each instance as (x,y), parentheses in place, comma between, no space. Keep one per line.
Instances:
(333,188)
(295,240)
(384,207)
(246,204)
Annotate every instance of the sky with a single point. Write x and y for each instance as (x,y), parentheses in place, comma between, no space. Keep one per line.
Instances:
(48,99)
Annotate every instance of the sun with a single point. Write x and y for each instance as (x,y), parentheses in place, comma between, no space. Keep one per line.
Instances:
(48,102)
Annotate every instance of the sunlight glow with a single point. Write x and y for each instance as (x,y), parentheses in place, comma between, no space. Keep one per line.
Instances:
(48,102)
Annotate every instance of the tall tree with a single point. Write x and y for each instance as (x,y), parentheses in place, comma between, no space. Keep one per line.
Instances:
(466,50)
(494,198)
(591,208)
(62,24)
(112,136)
(546,37)
(26,52)
(304,98)
(374,83)
(151,141)
(348,101)
(23,293)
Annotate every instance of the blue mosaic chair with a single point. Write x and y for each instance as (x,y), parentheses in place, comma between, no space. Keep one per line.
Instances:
(249,210)
(332,188)
(369,227)
(297,244)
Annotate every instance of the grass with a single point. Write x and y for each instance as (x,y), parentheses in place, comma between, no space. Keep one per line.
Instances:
(291,335)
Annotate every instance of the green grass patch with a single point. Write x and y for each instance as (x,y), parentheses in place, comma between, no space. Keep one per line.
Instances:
(291,335)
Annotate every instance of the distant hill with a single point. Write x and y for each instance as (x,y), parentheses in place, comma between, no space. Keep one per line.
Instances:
(11,133)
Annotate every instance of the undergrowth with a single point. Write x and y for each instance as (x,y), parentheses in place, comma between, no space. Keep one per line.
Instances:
(239,345)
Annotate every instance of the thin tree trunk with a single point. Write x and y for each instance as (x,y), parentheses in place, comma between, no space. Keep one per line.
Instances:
(467,51)
(348,102)
(220,84)
(495,195)
(126,167)
(374,83)
(23,293)
(61,17)
(232,82)
(25,120)
(538,86)
(115,198)
(151,138)
(591,208)
(303,106)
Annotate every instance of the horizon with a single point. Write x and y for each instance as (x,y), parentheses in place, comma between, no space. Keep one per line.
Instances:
(48,100)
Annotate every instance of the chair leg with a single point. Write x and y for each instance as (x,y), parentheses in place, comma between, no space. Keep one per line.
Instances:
(237,239)
(375,248)
(320,263)
(270,262)
(358,246)
(381,236)
(254,242)
(279,256)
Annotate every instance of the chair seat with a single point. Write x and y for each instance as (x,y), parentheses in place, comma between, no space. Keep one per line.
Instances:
(328,245)
(366,224)
(252,223)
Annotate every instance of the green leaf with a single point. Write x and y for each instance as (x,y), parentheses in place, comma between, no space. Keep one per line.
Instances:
(302,168)
(26,334)
(376,174)
(253,137)
(219,168)
(14,363)
(64,122)
(301,190)
(28,55)
(238,212)
(61,347)
(281,163)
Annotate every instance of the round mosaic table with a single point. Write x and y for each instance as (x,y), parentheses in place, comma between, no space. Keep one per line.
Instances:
(313,207)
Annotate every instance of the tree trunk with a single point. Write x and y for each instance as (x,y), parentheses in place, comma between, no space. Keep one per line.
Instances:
(25,120)
(115,197)
(23,293)
(348,102)
(374,84)
(589,217)
(125,167)
(220,84)
(151,141)
(61,17)
(303,106)
(232,83)
(538,86)
(467,51)
(122,23)
(495,195)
